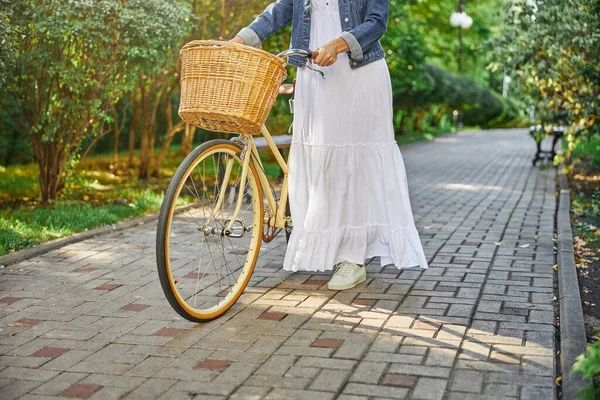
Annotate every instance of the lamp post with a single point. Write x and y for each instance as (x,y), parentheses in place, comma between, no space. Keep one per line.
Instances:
(460,20)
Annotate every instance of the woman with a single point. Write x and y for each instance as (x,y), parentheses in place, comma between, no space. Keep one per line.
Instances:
(347,181)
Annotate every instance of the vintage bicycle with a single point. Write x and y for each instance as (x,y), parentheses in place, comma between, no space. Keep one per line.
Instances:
(220,206)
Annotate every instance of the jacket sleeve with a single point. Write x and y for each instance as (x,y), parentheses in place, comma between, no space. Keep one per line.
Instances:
(370,30)
(277,15)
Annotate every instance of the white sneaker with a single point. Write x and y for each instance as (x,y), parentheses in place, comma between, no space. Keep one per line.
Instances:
(347,276)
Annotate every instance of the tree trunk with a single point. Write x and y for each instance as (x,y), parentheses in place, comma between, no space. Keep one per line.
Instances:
(165,147)
(145,151)
(51,165)
(117,132)
(132,128)
(188,139)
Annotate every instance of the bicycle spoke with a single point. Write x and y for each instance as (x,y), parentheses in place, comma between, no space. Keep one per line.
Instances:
(209,265)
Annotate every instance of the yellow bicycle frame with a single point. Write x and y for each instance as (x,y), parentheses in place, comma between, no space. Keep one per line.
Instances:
(280,220)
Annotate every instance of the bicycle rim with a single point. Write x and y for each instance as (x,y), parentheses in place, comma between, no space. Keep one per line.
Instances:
(202,267)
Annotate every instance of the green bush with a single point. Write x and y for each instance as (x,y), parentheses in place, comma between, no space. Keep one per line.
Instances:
(587,147)
(588,364)
(481,106)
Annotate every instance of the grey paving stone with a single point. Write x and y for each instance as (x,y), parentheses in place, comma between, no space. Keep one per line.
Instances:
(429,389)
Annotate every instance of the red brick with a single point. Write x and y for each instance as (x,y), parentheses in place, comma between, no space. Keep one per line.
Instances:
(316,282)
(195,275)
(81,390)
(272,316)
(10,300)
(134,307)
(141,247)
(427,325)
(364,302)
(398,380)
(238,251)
(224,293)
(107,286)
(83,270)
(215,365)
(327,343)
(25,323)
(50,352)
(169,332)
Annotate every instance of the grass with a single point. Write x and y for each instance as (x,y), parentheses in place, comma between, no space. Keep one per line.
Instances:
(28,225)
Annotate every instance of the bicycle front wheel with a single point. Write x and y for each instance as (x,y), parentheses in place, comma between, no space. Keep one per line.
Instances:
(203,266)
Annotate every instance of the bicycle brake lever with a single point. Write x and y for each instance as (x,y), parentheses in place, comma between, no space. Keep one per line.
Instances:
(308,65)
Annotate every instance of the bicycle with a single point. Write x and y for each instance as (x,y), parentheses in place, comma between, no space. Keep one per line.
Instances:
(210,230)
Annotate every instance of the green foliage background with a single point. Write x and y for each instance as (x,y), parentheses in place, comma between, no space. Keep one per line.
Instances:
(420,45)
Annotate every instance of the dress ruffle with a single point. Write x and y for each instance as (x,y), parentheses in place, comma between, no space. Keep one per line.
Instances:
(321,250)
(350,203)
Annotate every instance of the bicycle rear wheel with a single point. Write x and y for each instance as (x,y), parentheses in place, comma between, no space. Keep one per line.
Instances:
(203,268)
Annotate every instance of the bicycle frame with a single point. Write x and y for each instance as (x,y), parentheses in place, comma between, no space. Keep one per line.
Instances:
(280,220)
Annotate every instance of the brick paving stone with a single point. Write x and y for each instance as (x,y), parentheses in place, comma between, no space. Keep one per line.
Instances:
(478,324)
(364,302)
(83,270)
(107,286)
(272,316)
(10,300)
(429,389)
(316,282)
(168,332)
(50,352)
(25,323)
(81,390)
(398,380)
(214,365)
(327,343)
(426,325)
(134,307)
(467,381)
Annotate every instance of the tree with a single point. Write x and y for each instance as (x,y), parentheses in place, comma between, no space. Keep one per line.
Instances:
(74,60)
(552,48)
(7,43)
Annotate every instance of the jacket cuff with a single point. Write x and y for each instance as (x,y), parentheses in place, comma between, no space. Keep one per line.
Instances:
(355,49)
(250,37)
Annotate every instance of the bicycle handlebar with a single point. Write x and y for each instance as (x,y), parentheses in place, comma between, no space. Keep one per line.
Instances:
(309,55)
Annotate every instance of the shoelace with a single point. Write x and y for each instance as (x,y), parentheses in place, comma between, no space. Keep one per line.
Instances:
(344,269)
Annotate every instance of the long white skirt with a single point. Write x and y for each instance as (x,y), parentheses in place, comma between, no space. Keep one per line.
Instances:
(348,189)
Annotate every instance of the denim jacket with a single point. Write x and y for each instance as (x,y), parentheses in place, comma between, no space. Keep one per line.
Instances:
(363,23)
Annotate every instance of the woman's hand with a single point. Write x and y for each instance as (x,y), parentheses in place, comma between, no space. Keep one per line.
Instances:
(329,51)
(237,39)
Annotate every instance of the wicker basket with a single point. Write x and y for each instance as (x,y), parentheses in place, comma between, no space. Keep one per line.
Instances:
(228,87)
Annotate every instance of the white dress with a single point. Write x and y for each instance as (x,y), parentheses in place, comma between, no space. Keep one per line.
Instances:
(347,181)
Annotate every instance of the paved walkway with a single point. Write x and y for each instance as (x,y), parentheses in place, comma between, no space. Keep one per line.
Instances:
(90,319)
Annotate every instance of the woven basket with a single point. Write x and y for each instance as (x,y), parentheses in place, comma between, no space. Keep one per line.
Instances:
(228,87)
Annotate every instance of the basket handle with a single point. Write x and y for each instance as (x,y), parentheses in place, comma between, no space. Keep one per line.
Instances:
(209,43)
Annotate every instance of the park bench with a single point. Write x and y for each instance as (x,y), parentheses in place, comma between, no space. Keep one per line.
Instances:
(538,133)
